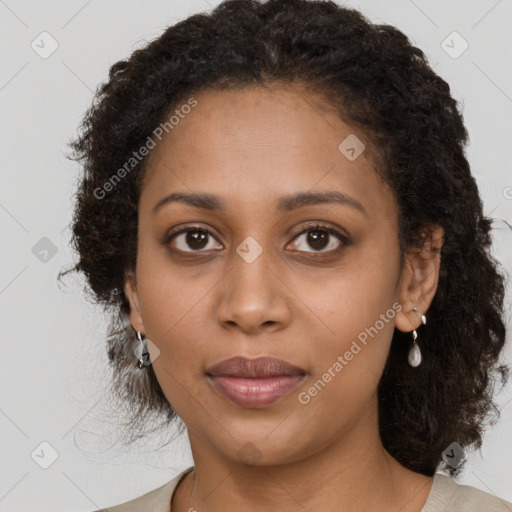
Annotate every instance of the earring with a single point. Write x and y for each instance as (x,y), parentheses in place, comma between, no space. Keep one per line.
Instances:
(144,350)
(415,353)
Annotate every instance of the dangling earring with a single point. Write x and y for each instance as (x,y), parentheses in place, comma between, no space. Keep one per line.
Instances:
(415,353)
(144,350)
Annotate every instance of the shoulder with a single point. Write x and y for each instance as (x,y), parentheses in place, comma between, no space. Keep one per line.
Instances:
(447,495)
(157,500)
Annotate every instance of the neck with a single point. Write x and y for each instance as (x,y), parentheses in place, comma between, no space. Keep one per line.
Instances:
(354,470)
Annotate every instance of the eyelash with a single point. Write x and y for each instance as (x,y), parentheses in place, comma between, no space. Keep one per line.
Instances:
(312,227)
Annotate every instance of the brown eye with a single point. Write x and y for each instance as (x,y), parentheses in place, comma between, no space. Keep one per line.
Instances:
(319,238)
(192,239)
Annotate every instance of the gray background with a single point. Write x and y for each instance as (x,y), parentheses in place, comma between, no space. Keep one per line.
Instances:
(53,364)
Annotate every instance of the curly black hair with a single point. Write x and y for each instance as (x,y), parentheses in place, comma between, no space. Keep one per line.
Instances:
(375,79)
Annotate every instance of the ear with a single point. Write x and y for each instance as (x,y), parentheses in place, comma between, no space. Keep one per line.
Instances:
(130,290)
(418,282)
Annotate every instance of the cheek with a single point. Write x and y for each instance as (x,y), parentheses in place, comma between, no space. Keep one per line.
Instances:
(350,302)
(355,324)
(166,293)
(171,319)
(174,309)
(346,373)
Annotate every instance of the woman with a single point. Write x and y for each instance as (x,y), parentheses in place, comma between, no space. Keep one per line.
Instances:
(277,207)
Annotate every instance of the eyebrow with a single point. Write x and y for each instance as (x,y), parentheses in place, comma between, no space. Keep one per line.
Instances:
(285,204)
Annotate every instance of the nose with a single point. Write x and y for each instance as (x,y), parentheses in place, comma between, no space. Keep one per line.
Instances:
(253,296)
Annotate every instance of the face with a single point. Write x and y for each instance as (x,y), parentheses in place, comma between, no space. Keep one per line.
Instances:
(317,284)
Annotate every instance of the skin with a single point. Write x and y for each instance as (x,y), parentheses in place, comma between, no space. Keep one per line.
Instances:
(250,147)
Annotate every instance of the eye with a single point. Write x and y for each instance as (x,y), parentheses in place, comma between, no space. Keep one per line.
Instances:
(317,236)
(320,237)
(192,237)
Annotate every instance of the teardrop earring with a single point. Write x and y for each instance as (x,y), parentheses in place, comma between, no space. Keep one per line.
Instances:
(415,352)
(143,351)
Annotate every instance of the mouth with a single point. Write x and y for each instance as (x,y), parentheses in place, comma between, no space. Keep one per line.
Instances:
(254,383)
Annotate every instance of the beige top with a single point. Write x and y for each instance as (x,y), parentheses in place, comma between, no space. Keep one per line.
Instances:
(446,495)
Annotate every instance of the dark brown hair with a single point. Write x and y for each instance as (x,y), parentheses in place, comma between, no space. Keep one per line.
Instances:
(378,81)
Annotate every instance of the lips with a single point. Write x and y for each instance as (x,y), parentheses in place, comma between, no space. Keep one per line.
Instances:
(254,383)
(255,368)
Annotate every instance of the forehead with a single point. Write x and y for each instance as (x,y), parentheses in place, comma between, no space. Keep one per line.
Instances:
(256,144)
